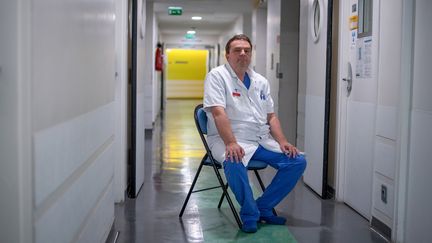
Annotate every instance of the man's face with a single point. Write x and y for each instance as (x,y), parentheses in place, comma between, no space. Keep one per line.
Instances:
(240,54)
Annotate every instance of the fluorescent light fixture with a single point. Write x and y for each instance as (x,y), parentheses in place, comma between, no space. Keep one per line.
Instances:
(196,18)
(191,32)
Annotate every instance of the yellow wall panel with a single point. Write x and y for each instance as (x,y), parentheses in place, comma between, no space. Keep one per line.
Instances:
(184,64)
(186,71)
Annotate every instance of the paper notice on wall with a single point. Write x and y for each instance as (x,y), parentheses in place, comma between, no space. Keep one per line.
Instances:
(364,57)
(353,39)
(353,26)
(353,22)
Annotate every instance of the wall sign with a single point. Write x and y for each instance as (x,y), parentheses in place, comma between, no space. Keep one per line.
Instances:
(364,57)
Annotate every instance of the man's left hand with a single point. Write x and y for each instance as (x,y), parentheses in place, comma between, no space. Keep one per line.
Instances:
(289,149)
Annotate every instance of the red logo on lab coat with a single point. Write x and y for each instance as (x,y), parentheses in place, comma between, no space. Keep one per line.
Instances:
(236,93)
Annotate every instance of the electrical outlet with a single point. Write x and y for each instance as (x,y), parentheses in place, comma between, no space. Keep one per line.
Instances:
(384,194)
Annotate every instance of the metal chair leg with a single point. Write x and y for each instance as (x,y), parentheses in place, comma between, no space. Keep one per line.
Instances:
(225,191)
(222,197)
(192,187)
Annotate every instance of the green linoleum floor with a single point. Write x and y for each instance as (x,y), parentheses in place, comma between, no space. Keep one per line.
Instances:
(219,225)
(173,152)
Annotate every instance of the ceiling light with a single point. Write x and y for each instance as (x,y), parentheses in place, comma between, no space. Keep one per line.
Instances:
(196,18)
(191,32)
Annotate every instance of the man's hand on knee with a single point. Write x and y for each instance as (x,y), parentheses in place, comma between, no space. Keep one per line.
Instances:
(289,149)
(234,152)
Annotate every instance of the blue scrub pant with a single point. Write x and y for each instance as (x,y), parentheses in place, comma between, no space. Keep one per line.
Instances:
(289,170)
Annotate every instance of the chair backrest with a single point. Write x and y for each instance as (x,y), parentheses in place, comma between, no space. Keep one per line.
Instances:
(200,119)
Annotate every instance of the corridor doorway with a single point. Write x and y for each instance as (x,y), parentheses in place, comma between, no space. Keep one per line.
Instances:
(357,103)
(340,104)
(319,98)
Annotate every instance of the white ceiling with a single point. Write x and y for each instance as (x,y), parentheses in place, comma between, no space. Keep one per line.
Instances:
(218,15)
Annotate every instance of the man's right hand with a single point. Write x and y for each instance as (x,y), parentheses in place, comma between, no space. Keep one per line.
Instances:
(234,152)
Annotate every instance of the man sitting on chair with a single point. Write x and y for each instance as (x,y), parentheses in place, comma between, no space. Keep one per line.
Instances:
(242,126)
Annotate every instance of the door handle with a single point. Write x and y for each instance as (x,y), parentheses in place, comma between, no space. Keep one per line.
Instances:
(349,80)
(279,75)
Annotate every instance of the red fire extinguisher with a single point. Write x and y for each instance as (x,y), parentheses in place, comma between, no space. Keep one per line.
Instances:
(159,58)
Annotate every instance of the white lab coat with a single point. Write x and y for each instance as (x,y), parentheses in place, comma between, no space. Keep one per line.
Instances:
(246,109)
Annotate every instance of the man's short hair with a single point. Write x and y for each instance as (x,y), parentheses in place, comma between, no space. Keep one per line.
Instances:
(237,37)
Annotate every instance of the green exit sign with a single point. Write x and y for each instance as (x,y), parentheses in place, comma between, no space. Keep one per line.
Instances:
(175,10)
(190,36)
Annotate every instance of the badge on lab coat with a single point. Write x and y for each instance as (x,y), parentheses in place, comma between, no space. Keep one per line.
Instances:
(236,93)
(262,95)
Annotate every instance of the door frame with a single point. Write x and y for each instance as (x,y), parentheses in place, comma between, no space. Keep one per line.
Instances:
(341,117)
(131,189)
(327,9)
(327,98)
(401,177)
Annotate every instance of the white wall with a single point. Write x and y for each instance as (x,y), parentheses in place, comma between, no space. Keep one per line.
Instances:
(156,91)
(121,90)
(386,123)
(408,199)
(143,115)
(59,75)
(148,65)
(289,57)
(419,198)
(236,28)
(150,78)
(247,24)
(73,65)
(302,73)
(259,39)
(15,128)
(273,45)
(176,41)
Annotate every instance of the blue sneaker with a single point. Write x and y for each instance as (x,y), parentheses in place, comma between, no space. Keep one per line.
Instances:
(249,227)
(273,220)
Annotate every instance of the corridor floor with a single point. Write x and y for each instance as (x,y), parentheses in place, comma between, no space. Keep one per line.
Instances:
(173,152)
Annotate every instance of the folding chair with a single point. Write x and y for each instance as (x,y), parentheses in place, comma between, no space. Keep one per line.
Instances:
(208,160)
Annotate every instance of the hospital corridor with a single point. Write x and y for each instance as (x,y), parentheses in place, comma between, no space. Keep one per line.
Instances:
(118,119)
(176,153)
